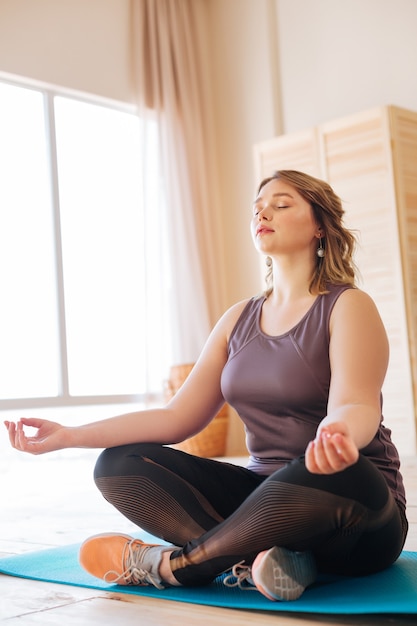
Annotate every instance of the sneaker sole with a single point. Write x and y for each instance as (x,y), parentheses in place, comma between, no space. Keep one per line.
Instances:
(281,574)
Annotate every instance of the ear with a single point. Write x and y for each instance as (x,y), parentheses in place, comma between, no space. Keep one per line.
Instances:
(320,231)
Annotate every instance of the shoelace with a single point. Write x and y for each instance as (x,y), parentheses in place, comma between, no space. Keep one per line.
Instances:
(240,577)
(133,575)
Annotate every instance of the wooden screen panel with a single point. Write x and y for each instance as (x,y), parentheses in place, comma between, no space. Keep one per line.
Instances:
(298,151)
(404,151)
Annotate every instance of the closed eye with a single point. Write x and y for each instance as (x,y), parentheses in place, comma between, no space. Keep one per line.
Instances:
(258,209)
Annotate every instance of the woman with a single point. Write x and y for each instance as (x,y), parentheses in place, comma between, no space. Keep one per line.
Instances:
(303,365)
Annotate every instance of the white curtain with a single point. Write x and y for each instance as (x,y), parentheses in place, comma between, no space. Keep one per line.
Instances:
(170,77)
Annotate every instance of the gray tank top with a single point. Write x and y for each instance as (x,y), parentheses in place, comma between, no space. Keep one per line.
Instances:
(279,386)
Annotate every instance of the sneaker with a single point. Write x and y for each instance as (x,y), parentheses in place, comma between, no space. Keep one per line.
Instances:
(123,560)
(240,576)
(281,574)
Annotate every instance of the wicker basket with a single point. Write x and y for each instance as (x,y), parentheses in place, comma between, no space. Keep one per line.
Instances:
(211,441)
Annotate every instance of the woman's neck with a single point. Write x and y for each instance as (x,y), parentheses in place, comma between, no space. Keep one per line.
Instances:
(290,285)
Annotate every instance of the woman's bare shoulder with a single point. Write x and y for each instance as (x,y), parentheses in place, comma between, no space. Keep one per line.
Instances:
(355,308)
(236,309)
(355,297)
(229,318)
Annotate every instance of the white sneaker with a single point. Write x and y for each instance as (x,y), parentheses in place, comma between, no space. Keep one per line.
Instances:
(281,574)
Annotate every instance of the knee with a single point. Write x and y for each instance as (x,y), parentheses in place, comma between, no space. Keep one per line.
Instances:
(122,460)
(106,462)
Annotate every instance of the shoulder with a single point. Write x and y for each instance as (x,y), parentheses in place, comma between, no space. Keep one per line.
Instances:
(352,298)
(232,314)
(230,317)
(355,309)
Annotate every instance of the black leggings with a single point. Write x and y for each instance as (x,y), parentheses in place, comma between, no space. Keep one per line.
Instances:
(220,514)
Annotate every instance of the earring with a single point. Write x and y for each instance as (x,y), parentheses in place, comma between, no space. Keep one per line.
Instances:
(268,261)
(320,250)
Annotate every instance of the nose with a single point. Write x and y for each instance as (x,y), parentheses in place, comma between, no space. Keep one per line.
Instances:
(263,214)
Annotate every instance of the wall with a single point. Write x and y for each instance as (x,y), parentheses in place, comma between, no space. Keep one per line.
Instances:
(79,44)
(344,56)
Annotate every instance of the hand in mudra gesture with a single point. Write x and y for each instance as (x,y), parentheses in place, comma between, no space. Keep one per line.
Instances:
(333,450)
(49,435)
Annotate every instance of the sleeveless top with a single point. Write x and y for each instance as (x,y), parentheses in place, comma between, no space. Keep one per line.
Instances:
(279,387)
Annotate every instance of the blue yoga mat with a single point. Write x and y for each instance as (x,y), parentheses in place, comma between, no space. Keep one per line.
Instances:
(393,591)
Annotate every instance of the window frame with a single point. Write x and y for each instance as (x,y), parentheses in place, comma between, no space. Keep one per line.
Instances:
(64,398)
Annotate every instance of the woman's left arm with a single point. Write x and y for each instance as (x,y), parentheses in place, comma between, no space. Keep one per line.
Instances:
(358,360)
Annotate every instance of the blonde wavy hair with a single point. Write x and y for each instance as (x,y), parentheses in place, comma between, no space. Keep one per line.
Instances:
(337,265)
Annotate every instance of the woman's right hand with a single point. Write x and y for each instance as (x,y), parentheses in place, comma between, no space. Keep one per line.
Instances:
(49,436)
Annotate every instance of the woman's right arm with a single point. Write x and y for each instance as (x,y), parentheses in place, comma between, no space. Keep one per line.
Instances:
(188,412)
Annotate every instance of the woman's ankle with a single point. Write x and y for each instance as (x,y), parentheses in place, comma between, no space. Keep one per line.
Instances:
(165,570)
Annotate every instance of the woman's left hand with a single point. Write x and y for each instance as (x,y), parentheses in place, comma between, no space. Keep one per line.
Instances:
(333,450)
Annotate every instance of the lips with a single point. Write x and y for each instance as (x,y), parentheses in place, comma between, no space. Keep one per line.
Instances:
(263,231)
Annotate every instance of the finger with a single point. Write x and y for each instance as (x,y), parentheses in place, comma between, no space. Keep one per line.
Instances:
(310,460)
(20,436)
(11,427)
(341,452)
(333,452)
(346,448)
(22,441)
(33,422)
(320,457)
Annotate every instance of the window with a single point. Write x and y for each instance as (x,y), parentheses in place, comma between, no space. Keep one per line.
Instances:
(83,275)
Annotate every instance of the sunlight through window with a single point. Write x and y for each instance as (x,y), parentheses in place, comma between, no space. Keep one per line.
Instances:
(28,314)
(103,261)
(108,181)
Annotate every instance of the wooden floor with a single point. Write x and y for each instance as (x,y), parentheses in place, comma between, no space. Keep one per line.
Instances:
(51,500)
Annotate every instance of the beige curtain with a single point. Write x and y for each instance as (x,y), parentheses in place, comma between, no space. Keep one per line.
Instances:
(170,72)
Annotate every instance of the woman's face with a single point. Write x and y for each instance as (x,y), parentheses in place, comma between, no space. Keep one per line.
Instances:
(283,222)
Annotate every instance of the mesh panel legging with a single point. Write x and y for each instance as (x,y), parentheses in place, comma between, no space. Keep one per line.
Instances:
(218,514)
